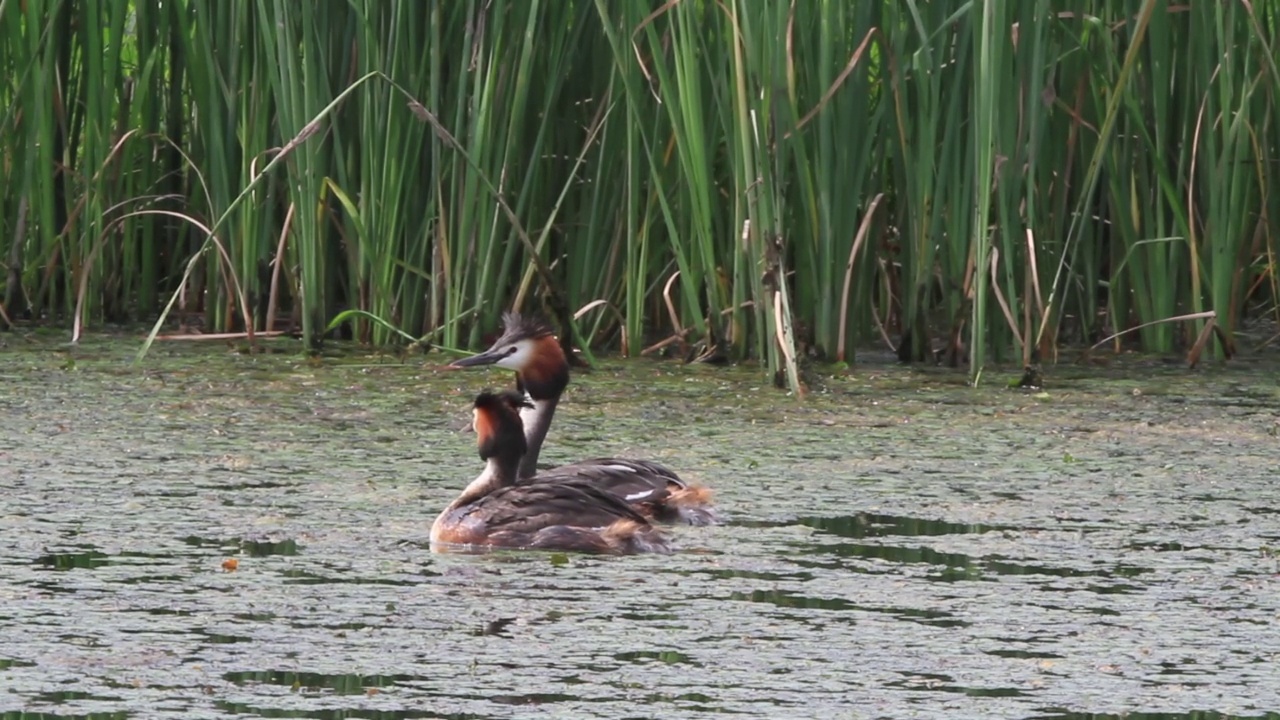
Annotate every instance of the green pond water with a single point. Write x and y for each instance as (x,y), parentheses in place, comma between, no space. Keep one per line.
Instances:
(899,546)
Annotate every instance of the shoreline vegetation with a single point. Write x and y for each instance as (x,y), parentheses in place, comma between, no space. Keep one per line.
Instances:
(965,183)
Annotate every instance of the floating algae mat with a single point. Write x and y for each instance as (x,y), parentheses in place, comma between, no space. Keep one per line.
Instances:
(899,545)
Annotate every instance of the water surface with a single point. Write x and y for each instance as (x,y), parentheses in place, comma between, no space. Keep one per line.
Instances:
(900,545)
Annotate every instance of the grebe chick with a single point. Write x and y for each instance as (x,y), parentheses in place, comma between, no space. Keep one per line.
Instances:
(498,510)
(529,347)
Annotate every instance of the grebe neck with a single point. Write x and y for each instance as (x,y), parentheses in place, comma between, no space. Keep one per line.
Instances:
(497,474)
(537,422)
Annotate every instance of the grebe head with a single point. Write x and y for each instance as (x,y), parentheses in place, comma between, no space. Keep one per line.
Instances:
(499,432)
(530,348)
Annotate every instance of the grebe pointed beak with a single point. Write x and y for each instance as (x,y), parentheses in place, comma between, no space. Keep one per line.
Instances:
(488,357)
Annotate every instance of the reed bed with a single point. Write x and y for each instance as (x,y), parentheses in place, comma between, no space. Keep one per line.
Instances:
(983,181)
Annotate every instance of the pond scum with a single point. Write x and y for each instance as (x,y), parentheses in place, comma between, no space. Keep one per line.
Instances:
(227,534)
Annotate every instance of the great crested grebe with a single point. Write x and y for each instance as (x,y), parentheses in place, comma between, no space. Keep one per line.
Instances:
(529,347)
(498,509)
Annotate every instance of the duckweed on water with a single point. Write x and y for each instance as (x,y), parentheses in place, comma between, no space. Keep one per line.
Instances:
(901,546)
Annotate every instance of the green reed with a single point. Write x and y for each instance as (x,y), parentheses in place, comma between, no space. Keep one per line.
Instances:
(767,180)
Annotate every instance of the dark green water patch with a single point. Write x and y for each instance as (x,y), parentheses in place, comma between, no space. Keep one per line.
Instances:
(933,618)
(964,566)
(59,697)
(496,627)
(216,638)
(791,600)
(781,598)
(176,493)
(1164,546)
(246,485)
(60,716)
(203,542)
(347,626)
(248,546)
(155,579)
(955,574)
(869,525)
(1185,667)
(52,588)
(345,684)
(1024,654)
(338,628)
(235,708)
(1006,495)
(262,617)
(268,548)
(83,560)
(1116,589)
(648,617)
(666,657)
(946,684)
(1193,715)
(1000,566)
(692,697)
(305,577)
(140,555)
(533,699)
(726,573)
(6,663)
(1212,498)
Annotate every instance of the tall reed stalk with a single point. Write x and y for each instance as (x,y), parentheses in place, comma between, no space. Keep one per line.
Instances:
(768,180)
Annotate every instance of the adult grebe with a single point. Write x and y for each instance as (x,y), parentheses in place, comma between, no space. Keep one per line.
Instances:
(529,347)
(499,510)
